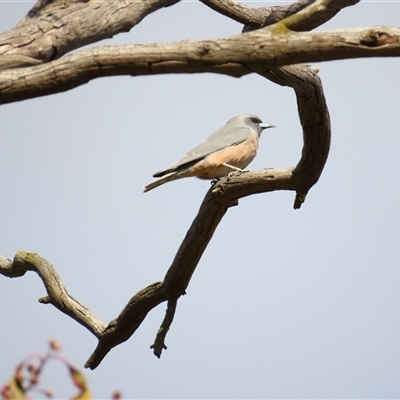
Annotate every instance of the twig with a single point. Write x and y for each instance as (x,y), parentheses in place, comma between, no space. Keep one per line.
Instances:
(159,343)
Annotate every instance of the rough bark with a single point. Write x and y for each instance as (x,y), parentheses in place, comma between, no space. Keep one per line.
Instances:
(53,28)
(236,56)
(255,18)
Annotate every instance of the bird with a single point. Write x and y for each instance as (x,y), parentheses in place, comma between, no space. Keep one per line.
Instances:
(231,148)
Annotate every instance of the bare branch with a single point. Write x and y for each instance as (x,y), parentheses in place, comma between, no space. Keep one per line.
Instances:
(57,294)
(316,131)
(315,121)
(306,15)
(262,52)
(124,326)
(174,285)
(234,56)
(159,343)
(255,18)
(9,269)
(240,12)
(54,27)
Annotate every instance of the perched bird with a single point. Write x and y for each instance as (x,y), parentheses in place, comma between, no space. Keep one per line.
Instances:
(229,149)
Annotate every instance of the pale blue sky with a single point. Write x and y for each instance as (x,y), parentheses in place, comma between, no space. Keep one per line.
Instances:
(284,303)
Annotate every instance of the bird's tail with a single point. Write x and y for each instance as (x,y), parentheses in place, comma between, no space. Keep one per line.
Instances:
(166,178)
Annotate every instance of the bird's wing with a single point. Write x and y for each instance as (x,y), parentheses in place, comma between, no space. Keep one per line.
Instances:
(227,136)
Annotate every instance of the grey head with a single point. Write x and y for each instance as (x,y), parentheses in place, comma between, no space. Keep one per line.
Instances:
(251,121)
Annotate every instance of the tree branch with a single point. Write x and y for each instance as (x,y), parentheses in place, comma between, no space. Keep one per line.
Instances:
(255,18)
(57,294)
(307,15)
(316,131)
(175,281)
(159,343)
(240,12)
(315,121)
(260,52)
(232,56)
(55,27)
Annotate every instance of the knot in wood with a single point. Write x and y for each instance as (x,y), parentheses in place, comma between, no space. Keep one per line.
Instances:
(204,49)
(369,39)
(375,38)
(46,49)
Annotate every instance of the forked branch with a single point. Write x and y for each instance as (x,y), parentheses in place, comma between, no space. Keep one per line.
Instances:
(260,52)
(316,132)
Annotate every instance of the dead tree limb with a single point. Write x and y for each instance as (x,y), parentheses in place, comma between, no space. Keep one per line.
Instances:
(55,27)
(57,294)
(261,51)
(236,56)
(52,28)
(316,132)
(255,18)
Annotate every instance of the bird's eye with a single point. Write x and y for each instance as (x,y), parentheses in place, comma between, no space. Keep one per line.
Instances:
(255,120)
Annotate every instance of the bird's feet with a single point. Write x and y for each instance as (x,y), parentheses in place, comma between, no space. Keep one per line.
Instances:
(238,172)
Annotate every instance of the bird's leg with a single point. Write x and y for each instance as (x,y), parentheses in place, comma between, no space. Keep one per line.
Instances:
(232,167)
(236,170)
